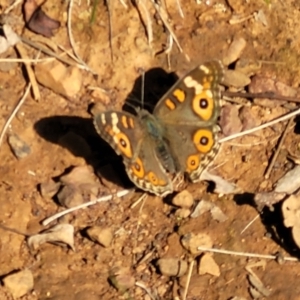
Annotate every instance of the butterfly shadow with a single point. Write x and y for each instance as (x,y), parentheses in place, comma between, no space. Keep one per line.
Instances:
(148,89)
(79,136)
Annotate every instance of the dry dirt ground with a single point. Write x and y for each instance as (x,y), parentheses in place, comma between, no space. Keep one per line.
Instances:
(150,231)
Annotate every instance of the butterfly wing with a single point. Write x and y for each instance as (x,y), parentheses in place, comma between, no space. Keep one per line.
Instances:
(189,112)
(129,138)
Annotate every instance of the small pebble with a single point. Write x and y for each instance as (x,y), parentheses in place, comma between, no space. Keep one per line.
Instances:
(229,120)
(192,241)
(49,189)
(207,265)
(183,199)
(235,79)
(18,146)
(103,236)
(234,51)
(202,207)
(182,213)
(20,283)
(172,266)
(70,196)
(290,182)
(122,279)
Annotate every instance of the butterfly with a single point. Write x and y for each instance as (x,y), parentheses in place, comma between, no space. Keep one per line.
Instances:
(180,136)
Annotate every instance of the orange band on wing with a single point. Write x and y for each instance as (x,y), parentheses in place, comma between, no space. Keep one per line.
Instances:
(179,94)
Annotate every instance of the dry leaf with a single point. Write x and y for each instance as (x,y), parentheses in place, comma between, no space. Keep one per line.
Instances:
(62,233)
(37,21)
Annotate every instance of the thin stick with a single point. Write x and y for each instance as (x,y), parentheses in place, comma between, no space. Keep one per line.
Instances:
(188,280)
(147,290)
(71,39)
(179,9)
(50,53)
(249,224)
(148,22)
(270,167)
(124,4)
(69,210)
(26,60)
(6,125)
(247,254)
(141,198)
(163,15)
(260,95)
(8,9)
(110,29)
(268,124)
(31,75)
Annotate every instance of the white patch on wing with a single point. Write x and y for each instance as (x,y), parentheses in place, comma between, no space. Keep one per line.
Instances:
(191,83)
(114,122)
(204,69)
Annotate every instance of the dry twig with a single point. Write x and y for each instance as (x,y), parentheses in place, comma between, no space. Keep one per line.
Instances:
(30,73)
(16,109)
(69,210)
(72,42)
(164,17)
(188,280)
(270,167)
(247,254)
(268,124)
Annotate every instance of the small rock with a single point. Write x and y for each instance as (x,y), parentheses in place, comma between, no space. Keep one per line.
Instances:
(267,199)
(291,211)
(70,196)
(103,236)
(20,283)
(235,79)
(202,207)
(183,199)
(218,215)
(247,66)
(61,233)
(60,79)
(49,189)
(182,213)
(192,241)
(260,84)
(247,118)
(207,265)
(79,175)
(234,51)
(18,146)
(290,182)
(121,279)
(229,120)
(101,95)
(172,266)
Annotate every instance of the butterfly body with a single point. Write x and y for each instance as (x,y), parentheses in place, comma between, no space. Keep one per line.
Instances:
(179,137)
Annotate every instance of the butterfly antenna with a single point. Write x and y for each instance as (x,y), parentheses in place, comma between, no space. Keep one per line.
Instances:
(143,89)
